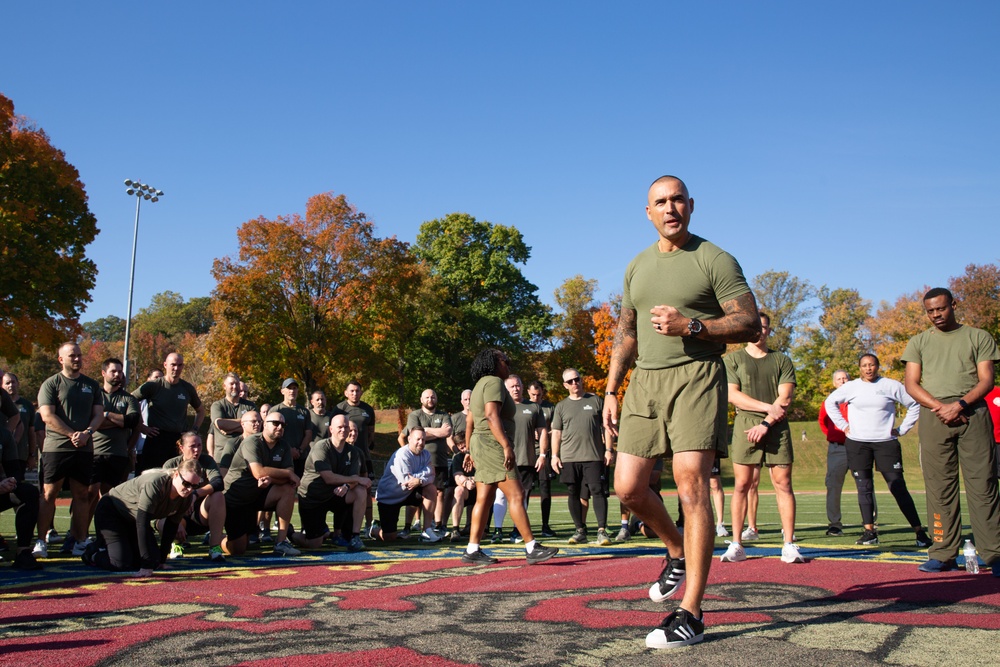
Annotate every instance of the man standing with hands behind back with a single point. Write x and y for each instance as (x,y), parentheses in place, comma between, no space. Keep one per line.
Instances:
(684,299)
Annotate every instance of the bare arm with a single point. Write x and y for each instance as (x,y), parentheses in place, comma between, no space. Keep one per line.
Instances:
(740,324)
(623,353)
(199,416)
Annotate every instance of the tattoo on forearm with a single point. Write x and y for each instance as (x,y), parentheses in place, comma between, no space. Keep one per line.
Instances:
(740,324)
(623,351)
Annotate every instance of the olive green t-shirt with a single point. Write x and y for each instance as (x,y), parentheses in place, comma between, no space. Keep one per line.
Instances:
(241,485)
(528,416)
(581,429)
(73,400)
(313,490)
(490,389)
(438,447)
(948,359)
(168,403)
(113,441)
(759,378)
(458,427)
(149,492)
(223,409)
(297,422)
(363,416)
(696,280)
(211,475)
(321,424)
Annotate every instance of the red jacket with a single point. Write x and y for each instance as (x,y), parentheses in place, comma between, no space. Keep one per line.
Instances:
(993,402)
(830,430)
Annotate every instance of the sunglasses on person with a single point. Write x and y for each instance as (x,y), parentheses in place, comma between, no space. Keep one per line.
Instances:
(189,485)
(276,423)
(575,380)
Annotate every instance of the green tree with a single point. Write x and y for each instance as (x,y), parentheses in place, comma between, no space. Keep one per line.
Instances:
(170,315)
(45,227)
(978,294)
(573,329)
(783,296)
(487,300)
(106,329)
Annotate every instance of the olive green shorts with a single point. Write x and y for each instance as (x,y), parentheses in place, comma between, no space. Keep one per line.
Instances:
(487,455)
(678,409)
(774,450)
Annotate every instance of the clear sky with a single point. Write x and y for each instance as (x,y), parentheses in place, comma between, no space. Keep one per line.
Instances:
(853,144)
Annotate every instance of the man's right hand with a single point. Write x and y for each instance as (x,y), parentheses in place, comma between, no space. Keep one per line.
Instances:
(611,414)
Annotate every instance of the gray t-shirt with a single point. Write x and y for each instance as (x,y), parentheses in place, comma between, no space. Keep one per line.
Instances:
(241,485)
(581,425)
(528,416)
(314,491)
(438,447)
(73,400)
(168,403)
(113,441)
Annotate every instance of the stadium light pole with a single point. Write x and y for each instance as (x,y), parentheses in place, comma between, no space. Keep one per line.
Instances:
(149,193)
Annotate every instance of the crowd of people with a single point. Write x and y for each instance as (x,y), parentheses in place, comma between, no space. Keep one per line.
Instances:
(138,471)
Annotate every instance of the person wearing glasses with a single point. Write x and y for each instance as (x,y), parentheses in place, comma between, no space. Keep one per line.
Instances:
(262,477)
(209,512)
(123,520)
(582,451)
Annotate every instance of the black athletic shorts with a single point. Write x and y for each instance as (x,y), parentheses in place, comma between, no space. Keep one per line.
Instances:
(76,465)
(108,469)
(529,476)
(313,517)
(388,514)
(242,519)
(441,477)
(886,455)
(590,474)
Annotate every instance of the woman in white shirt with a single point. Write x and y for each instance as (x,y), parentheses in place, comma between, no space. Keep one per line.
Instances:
(871,438)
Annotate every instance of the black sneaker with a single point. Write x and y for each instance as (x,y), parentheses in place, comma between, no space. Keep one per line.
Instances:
(497,536)
(24,560)
(834,531)
(88,554)
(548,532)
(455,535)
(540,554)
(67,545)
(678,629)
(671,578)
(923,540)
(869,537)
(479,557)
(515,536)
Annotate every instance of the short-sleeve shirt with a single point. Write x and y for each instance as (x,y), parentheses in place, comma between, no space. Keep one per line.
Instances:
(320,424)
(438,447)
(696,280)
(114,441)
(581,425)
(948,359)
(297,421)
(361,415)
(491,389)
(73,400)
(759,378)
(323,456)
(27,411)
(168,403)
(223,409)
(528,416)
(241,485)
(458,427)
(150,493)
(212,475)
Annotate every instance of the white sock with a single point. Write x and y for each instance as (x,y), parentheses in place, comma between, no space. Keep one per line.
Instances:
(530,546)
(472,548)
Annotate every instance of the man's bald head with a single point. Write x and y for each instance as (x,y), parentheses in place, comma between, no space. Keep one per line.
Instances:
(668,177)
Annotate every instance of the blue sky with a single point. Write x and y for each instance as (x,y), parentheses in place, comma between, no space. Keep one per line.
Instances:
(852,144)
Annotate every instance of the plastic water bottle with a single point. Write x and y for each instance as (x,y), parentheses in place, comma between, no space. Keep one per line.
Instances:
(971,560)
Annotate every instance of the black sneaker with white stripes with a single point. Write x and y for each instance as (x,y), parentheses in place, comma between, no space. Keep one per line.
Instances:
(678,629)
(671,578)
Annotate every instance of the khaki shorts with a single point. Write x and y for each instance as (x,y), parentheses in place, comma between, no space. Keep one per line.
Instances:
(487,455)
(678,409)
(774,450)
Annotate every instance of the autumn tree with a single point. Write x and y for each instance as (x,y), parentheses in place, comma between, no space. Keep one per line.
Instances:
(573,329)
(487,300)
(293,301)
(892,327)
(978,295)
(45,227)
(783,296)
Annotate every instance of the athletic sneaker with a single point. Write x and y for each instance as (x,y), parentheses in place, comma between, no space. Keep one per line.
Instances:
(67,545)
(415,528)
(339,541)
(515,537)
(216,555)
(750,535)
(540,554)
(285,548)
(41,549)
(89,553)
(678,629)
(402,535)
(356,544)
(265,537)
(23,560)
(670,579)
(497,536)
(579,537)
(720,531)
(923,540)
(734,553)
(455,535)
(869,537)
(834,531)
(373,530)
(53,537)
(602,538)
(176,551)
(934,565)
(430,535)
(623,535)
(548,532)
(790,553)
(480,557)
(80,547)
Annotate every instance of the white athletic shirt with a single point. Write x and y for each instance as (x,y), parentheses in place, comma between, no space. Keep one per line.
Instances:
(873,409)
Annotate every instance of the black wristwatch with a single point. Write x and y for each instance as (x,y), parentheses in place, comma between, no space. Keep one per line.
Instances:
(965,407)
(695,327)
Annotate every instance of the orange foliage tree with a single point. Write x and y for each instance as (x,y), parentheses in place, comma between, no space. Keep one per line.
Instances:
(978,296)
(891,328)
